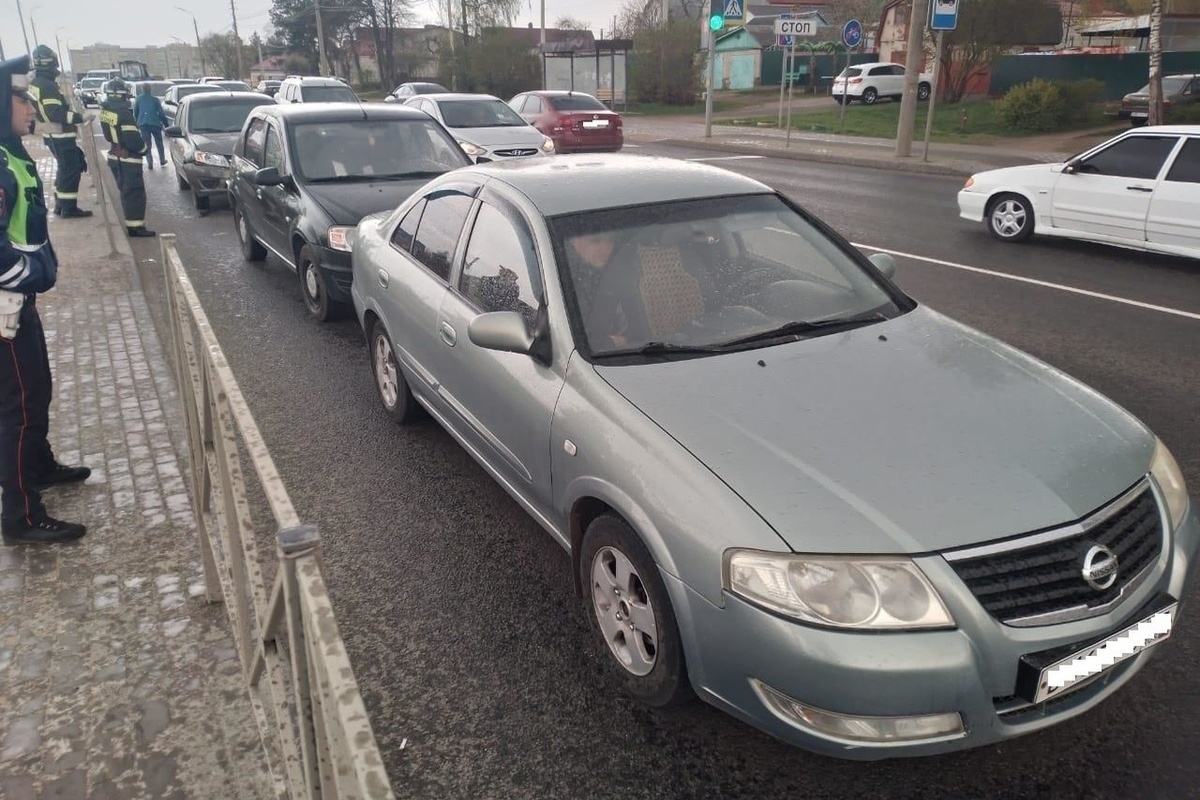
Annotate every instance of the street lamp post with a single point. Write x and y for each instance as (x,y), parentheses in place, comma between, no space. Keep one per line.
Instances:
(199,48)
(62,65)
(33,25)
(21,16)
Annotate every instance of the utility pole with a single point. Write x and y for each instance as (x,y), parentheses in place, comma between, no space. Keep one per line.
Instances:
(1155,117)
(917,20)
(33,24)
(322,57)
(237,40)
(21,16)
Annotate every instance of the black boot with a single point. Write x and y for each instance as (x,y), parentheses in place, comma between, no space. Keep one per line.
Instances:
(73,212)
(60,474)
(43,530)
(135,233)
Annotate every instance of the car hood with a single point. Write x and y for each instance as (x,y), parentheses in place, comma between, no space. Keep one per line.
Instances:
(215,142)
(516,136)
(909,436)
(1025,175)
(347,203)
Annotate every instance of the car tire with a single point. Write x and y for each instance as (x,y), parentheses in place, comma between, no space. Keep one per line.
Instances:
(650,662)
(1010,217)
(869,96)
(183,185)
(201,202)
(312,287)
(394,394)
(923,91)
(251,249)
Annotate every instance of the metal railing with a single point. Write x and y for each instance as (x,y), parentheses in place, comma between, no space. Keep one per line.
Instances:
(316,735)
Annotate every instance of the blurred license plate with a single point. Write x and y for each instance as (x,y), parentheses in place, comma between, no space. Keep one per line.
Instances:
(593,124)
(1061,674)
(1140,114)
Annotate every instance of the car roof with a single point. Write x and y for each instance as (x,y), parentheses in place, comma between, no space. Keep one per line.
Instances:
(1179,130)
(556,93)
(212,98)
(573,184)
(458,96)
(335,112)
(314,80)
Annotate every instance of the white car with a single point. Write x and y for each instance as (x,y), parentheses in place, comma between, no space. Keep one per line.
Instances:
(1139,190)
(869,82)
(485,126)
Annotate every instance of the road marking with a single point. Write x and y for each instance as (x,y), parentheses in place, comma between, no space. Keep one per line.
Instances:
(724,158)
(1047,284)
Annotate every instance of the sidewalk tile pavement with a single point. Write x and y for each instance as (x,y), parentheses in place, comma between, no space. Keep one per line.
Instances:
(117,679)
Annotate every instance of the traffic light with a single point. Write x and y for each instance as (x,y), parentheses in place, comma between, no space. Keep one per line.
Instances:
(716,15)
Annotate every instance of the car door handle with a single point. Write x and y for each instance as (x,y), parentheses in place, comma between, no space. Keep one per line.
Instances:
(383,279)
(1139,188)
(447,333)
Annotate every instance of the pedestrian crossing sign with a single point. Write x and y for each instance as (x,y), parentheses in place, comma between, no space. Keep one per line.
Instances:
(734,10)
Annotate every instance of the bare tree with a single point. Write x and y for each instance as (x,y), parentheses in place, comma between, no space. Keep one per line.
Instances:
(565,23)
(384,17)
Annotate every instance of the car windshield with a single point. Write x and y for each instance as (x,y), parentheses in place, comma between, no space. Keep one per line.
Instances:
(158,89)
(1170,85)
(234,86)
(183,91)
(577,102)
(328,94)
(220,117)
(718,274)
(479,114)
(357,149)
(91,83)
(852,72)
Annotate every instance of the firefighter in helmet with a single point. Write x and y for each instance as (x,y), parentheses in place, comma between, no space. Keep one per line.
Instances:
(58,123)
(125,154)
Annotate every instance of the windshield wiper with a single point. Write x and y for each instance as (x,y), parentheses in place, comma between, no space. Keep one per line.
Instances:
(661,349)
(799,328)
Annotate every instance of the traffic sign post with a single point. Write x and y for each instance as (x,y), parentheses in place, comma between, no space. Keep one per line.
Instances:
(852,36)
(943,16)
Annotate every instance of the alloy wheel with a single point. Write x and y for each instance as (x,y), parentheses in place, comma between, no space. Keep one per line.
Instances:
(624,611)
(385,372)
(1009,218)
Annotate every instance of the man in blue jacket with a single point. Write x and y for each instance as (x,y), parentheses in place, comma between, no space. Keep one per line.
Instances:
(28,267)
(151,119)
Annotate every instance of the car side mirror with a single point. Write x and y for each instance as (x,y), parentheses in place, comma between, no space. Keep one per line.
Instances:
(174,132)
(504,331)
(268,176)
(885,264)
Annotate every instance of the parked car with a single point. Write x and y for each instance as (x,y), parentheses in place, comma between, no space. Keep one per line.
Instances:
(207,126)
(314,90)
(1139,190)
(618,341)
(870,82)
(88,91)
(268,87)
(485,126)
(181,81)
(575,121)
(213,78)
(305,174)
(176,93)
(1179,91)
(407,90)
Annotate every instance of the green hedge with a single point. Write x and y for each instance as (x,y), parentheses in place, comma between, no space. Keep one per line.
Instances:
(1043,106)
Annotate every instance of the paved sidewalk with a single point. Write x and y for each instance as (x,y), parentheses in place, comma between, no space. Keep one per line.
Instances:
(944,159)
(117,680)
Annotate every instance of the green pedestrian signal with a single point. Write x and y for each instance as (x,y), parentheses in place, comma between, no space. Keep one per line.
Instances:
(716,22)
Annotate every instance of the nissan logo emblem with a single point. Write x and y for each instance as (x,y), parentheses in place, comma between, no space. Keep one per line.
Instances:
(1099,567)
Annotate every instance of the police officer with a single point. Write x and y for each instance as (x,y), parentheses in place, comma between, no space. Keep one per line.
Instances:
(125,154)
(28,267)
(59,122)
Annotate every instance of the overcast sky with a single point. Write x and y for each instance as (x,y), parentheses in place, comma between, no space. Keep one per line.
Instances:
(82,22)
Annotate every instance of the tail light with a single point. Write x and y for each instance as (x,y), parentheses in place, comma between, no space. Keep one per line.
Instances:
(856,80)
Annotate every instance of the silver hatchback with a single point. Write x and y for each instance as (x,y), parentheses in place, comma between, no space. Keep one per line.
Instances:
(785,486)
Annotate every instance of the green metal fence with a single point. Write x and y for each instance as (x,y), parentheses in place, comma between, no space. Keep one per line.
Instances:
(821,76)
(1121,73)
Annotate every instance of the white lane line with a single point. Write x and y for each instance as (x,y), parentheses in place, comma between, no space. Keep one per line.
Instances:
(1060,287)
(724,158)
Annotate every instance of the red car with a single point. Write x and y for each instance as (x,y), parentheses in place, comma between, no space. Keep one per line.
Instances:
(575,121)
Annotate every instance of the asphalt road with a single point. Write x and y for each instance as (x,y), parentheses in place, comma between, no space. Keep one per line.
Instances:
(458,610)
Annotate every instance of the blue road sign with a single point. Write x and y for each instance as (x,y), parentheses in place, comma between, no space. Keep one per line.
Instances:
(734,11)
(852,34)
(785,41)
(943,15)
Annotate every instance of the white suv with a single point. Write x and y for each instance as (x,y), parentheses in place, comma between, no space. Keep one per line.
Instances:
(301,89)
(869,82)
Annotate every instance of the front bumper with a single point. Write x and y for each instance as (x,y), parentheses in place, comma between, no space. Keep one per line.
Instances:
(971,670)
(972,205)
(336,272)
(207,181)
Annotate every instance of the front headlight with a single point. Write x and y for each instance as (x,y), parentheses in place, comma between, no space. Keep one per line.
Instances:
(341,237)
(548,146)
(866,592)
(471,149)
(1169,478)
(210,159)
(970,182)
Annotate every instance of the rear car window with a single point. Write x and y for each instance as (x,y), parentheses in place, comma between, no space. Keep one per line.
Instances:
(577,102)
